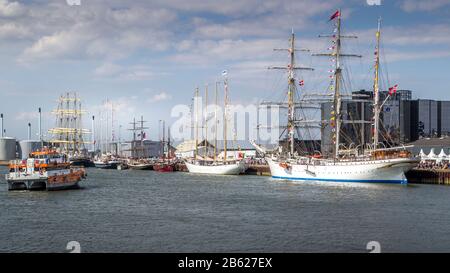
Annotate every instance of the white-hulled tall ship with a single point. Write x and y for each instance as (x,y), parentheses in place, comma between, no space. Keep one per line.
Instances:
(205,164)
(368,162)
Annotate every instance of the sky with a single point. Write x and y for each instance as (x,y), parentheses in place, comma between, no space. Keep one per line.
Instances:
(148,56)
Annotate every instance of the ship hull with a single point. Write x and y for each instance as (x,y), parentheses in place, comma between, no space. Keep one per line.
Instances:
(83,162)
(103,165)
(390,171)
(228,169)
(164,168)
(50,181)
(141,167)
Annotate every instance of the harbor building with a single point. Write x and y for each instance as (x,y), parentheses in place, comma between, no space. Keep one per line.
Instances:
(142,149)
(187,149)
(404,120)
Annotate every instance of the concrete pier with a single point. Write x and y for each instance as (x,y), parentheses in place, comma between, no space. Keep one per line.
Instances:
(262,170)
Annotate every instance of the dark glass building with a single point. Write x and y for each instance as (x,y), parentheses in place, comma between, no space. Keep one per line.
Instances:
(403,119)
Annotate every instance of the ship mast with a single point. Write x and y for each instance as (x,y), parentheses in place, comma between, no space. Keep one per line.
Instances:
(164,139)
(336,113)
(196,123)
(134,149)
(291,68)
(376,90)
(168,144)
(225,120)
(337,95)
(107,127)
(68,134)
(291,108)
(206,122)
(215,122)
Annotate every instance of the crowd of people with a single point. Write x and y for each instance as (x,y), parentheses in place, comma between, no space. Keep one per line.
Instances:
(256,161)
(433,165)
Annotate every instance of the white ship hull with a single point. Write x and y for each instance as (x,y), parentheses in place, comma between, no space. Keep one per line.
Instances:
(221,169)
(373,171)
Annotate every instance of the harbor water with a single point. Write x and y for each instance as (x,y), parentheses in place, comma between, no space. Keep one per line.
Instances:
(145,211)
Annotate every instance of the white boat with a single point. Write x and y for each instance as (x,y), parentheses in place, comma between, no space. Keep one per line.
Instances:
(219,168)
(376,163)
(364,171)
(107,162)
(139,164)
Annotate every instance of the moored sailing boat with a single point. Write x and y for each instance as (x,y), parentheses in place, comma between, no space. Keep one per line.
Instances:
(68,133)
(140,164)
(166,165)
(107,161)
(138,159)
(372,165)
(206,165)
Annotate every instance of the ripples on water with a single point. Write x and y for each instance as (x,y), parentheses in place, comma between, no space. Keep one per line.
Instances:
(145,211)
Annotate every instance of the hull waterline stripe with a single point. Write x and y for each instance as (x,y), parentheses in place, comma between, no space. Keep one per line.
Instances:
(342,180)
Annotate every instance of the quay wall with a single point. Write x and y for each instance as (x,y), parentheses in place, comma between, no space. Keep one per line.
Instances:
(428,176)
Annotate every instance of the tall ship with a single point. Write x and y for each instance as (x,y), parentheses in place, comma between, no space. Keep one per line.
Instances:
(167,163)
(44,170)
(107,161)
(373,162)
(107,157)
(204,164)
(68,135)
(139,157)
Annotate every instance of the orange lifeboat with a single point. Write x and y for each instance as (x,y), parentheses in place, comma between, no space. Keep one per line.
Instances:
(284,165)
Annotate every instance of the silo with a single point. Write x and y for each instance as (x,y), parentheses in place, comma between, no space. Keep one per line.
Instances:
(7,149)
(29,146)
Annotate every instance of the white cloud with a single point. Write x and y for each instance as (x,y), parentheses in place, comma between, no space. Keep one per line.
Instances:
(268,19)
(424,34)
(11,9)
(93,30)
(124,109)
(14,31)
(125,73)
(107,69)
(163,96)
(397,55)
(27,116)
(420,5)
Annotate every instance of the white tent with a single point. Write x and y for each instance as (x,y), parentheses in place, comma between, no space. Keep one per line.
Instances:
(442,156)
(432,155)
(422,155)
